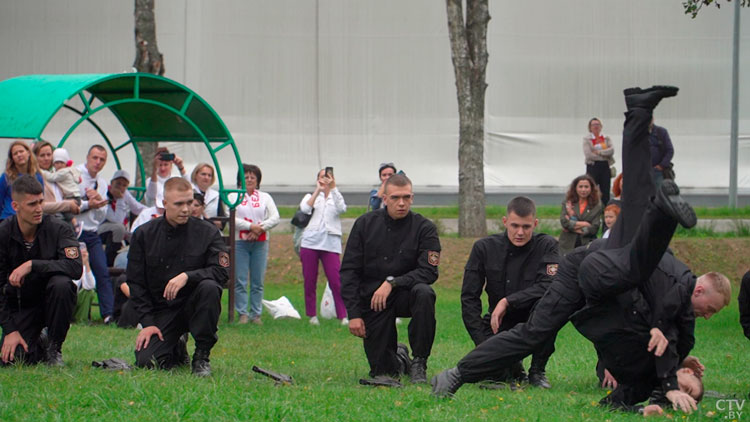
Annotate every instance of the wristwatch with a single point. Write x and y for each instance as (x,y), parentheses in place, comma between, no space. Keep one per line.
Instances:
(391,280)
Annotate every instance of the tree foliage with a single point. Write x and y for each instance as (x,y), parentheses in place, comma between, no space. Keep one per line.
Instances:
(692,7)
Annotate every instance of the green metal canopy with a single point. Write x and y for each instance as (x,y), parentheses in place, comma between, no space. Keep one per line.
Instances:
(150,108)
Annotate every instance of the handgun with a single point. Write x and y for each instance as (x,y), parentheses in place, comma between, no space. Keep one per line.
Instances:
(279,378)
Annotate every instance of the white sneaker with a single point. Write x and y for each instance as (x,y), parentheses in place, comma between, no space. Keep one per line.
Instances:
(314,321)
(345,321)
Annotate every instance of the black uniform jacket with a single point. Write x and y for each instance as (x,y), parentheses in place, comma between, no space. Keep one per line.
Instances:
(486,269)
(744,302)
(379,246)
(159,252)
(54,252)
(620,328)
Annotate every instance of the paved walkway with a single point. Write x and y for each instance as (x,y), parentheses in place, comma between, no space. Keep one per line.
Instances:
(450,225)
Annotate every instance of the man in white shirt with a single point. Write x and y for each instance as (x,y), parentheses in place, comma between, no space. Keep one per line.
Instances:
(93,214)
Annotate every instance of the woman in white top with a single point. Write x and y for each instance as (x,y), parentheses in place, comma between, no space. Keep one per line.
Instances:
(321,240)
(255,215)
(203,177)
(161,171)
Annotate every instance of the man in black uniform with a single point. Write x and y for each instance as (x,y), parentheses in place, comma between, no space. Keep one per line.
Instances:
(624,282)
(177,265)
(391,259)
(515,268)
(39,259)
(743,299)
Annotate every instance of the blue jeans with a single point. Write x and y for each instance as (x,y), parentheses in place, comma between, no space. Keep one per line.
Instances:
(251,258)
(657,177)
(98,261)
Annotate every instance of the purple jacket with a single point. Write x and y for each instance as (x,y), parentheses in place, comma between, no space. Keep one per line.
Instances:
(661,147)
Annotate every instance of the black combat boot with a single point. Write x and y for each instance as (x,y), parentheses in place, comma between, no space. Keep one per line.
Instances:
(404,362)
(53,354)
(446,383)
(537,378)
(648,98)
(201,363)
(418,372)
(182,358)
(668,200)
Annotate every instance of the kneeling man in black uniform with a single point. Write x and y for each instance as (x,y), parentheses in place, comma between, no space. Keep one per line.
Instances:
(391,259)
(515,268)
(177,265)
(39,259)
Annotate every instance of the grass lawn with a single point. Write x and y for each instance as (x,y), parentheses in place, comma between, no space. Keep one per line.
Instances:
(326,362)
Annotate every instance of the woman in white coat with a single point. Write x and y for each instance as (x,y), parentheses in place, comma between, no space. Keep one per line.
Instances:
(321,240)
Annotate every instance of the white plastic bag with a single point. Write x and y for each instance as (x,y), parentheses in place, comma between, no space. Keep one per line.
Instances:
(327,306)
(281,308)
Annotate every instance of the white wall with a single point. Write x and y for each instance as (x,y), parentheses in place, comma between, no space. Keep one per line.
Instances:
(304,84)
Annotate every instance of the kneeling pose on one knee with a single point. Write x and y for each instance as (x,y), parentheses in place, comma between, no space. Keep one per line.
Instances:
(177,266)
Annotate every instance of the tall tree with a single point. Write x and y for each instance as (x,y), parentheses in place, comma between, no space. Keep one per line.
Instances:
(468,38)
(148,59)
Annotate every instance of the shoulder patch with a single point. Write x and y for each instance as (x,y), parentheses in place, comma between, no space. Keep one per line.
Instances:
(71,252)
(433,258)
(552,269)
(224,259)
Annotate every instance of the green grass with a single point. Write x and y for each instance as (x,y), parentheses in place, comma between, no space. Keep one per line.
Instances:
(544,211)
(326,362)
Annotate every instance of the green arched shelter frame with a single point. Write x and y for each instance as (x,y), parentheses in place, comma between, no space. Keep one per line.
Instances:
(150,108)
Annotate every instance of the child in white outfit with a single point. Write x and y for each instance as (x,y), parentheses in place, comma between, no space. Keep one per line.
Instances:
(67,178)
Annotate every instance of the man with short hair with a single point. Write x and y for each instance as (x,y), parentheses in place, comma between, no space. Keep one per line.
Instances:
(39,259)
(114,229)
(177,266)
(391,258)
(93,214)
(515,268)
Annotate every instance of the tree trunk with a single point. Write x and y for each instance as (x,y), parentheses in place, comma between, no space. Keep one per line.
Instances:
(147,56)
(148,59)
(469,52)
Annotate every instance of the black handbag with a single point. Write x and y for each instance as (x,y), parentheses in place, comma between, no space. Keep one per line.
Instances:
(668,171)
(301,219)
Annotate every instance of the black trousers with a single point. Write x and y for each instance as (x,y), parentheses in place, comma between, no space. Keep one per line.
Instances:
(381,334)
(489,359)
(199,315)
(599,171)
(53,310)
(128,317)
(539,358)
(637,186)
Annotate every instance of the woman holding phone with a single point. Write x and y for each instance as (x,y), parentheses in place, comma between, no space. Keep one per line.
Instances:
(161,170)
(321,240)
